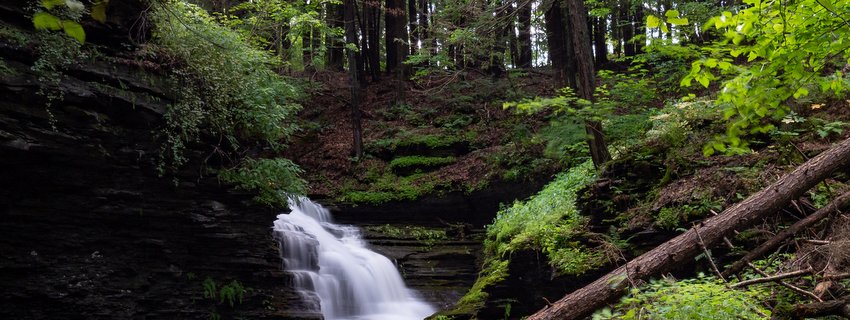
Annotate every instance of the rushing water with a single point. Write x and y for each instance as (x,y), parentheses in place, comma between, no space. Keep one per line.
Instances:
(332,260)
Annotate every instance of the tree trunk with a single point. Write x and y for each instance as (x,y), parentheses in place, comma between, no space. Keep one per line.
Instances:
(560,49)
(600,46)
(685,247)
(335,18)
(351,37)
(413,29)
(423,21)
(396,31)
(839,307)
(640,29)
(524,36)
(586,78)
(627,28)
(371,37)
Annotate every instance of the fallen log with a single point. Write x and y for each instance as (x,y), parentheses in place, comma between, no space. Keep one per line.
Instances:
(582,302)
(840,307)
(839,204)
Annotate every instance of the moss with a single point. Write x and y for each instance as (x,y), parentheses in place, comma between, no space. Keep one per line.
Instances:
(388,187)
(420,161)
(427,236)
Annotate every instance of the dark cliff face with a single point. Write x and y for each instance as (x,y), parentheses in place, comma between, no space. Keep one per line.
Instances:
(87,228)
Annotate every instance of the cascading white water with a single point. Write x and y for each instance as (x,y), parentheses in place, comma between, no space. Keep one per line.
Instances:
(331,260)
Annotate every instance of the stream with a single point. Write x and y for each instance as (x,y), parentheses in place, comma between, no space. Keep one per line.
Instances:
(333,262)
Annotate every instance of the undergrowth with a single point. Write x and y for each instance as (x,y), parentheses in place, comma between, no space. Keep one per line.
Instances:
(548,222)
(697,298)
(224,86)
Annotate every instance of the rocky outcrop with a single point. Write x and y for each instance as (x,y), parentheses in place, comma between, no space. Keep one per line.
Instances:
(87,228)
(440,270)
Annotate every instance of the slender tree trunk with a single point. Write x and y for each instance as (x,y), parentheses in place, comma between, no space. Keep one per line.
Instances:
(685,247)
(556,38)
(335,18)
(396,34)
(351,37)
(513,44)
(627,28)
(373,37)
(615,33)
(640,28)
(524,35)
(423,21)
(586,78)
(413,28)
(599,45)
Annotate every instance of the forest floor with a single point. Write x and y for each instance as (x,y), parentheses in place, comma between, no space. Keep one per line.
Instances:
(442,132)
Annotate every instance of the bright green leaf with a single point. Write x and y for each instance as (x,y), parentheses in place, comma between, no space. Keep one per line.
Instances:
(664,28)
(826,4)
(75,30)
(801,92)
(652,21)
(672,14)
(704,81)
(678,21)
(45,21)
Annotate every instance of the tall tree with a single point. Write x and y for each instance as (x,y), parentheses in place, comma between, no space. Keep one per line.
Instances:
(396,34)
(560,45)
(586,83)
(335,19)
(600,47)
(354,78)
(524,36)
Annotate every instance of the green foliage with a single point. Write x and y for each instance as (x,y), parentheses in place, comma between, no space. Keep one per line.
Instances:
(231,293)
(274,180)
(55,54)
(790,51)
(549,222)
(13,35)
(261,22)
(407,139)
(700,298)
(427,236)
(420,161)
(224,85)
(672,218)
(386,186)
(670,17)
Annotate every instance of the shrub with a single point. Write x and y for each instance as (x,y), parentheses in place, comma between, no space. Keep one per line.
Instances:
(700,298)
(274,180)
(223,85)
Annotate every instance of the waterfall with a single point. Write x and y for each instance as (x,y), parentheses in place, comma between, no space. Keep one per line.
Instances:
(332,260)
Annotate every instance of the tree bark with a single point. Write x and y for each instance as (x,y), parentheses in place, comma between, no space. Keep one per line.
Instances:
(335,18)
(839,307)
(586,78)
(354,78)
(839,204)
(412,25)
(599,45)
(626,28)
(560,45)
(524,57)
(396,34)
(683,248)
